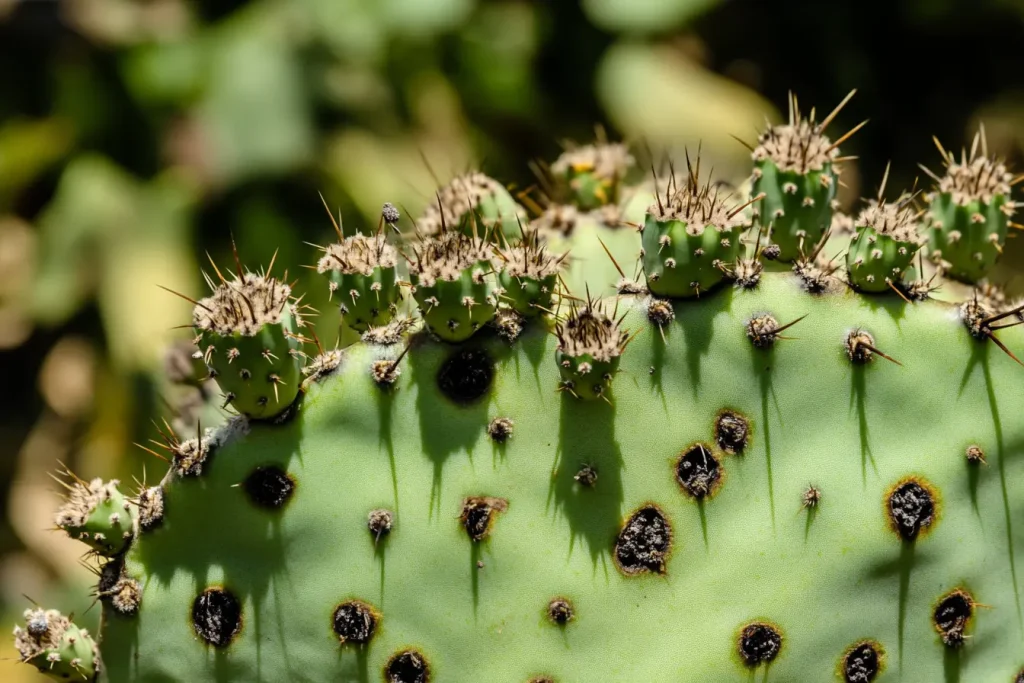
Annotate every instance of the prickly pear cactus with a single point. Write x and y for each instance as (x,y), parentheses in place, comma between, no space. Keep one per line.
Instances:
(801,474)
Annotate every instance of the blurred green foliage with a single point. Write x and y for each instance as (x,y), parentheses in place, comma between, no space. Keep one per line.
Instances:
(138,136)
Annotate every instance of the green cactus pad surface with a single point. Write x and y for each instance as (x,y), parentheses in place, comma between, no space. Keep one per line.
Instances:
(848,534)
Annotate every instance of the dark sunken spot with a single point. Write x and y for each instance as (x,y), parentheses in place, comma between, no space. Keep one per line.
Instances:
(355,622)
(952,615)
(698,471)
(269,487)
(408,666)
(862,663)
(466,375)
(1020,677)
(732,431)
(911,509)
(542,679)
(759,643)
(217,616)
(561,611)
(478,515)
(644,542)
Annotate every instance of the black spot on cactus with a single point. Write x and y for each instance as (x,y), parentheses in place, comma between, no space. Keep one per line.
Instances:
(952,615)
(1020,677)
(912,507)
(269,487)
(478,515)
(644,542)
(759,643)
(466,375)
(698,471)
(217,616)
(542,679)
(408,666)
(354,622)
(732,431)
(561,611)
(862,662)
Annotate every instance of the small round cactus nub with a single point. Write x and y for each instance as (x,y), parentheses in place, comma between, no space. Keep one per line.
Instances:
(795,175)
(454,284)
(57,647)
(500,429)
(248,335)
(363,275)
(969,210)
(590,176)
(529,276)
(470,202)
(561,611)
(688,238)
(883,247)
(590,344)
(99,515)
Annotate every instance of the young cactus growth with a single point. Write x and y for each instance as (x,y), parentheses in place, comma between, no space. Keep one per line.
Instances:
(590,344)
(795,168)
(472,196)
(884,243)
(248,336)
(362,271)
(56,646)
(689,237)
(97,514)
(590,176)
(970,210)
(453,284)
(529,275)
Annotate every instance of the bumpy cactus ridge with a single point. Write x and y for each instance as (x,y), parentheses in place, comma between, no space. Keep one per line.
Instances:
(736,492)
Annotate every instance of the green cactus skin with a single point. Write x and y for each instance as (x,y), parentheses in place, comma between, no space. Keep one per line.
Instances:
(99,515)
(454,285)
(882,250)
(248,334)
(689,237)
(796,176)
(590,177)
(363,274)
(56,646)
(970,211)
(470,202)
(752,553)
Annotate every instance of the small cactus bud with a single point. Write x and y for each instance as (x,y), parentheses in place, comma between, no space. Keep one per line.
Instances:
(57,647)
(98,514)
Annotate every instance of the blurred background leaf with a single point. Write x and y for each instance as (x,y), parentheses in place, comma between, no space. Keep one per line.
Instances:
(138,136)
